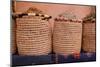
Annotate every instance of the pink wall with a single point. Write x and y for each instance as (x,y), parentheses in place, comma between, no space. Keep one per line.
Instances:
(55,9)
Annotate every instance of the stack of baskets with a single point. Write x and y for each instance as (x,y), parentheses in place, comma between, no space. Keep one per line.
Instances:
(89,34)
(33,34)
(67,34)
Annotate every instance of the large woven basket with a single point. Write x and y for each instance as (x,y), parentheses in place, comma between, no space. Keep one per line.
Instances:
(89,36)
(13,39)
(33,33)
(33,36)
(67,36)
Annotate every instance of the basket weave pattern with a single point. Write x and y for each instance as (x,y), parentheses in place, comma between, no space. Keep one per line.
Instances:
(89,36)
(13,40)
(33,36)
(67,37)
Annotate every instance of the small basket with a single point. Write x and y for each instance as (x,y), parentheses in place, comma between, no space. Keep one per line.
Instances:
(67,36)
(89,35)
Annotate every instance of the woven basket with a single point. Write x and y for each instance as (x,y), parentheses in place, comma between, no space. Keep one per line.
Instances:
(89,36)
(67,37)
(33,36)
(13,40)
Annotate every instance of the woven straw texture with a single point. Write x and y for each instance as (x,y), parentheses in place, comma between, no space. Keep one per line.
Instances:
(67,37)
(33,36)
(89,36)
(13,40)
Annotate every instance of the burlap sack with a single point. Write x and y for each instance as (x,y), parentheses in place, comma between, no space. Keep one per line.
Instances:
(33,36)
(67,36)
(89,36)
(13,37)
